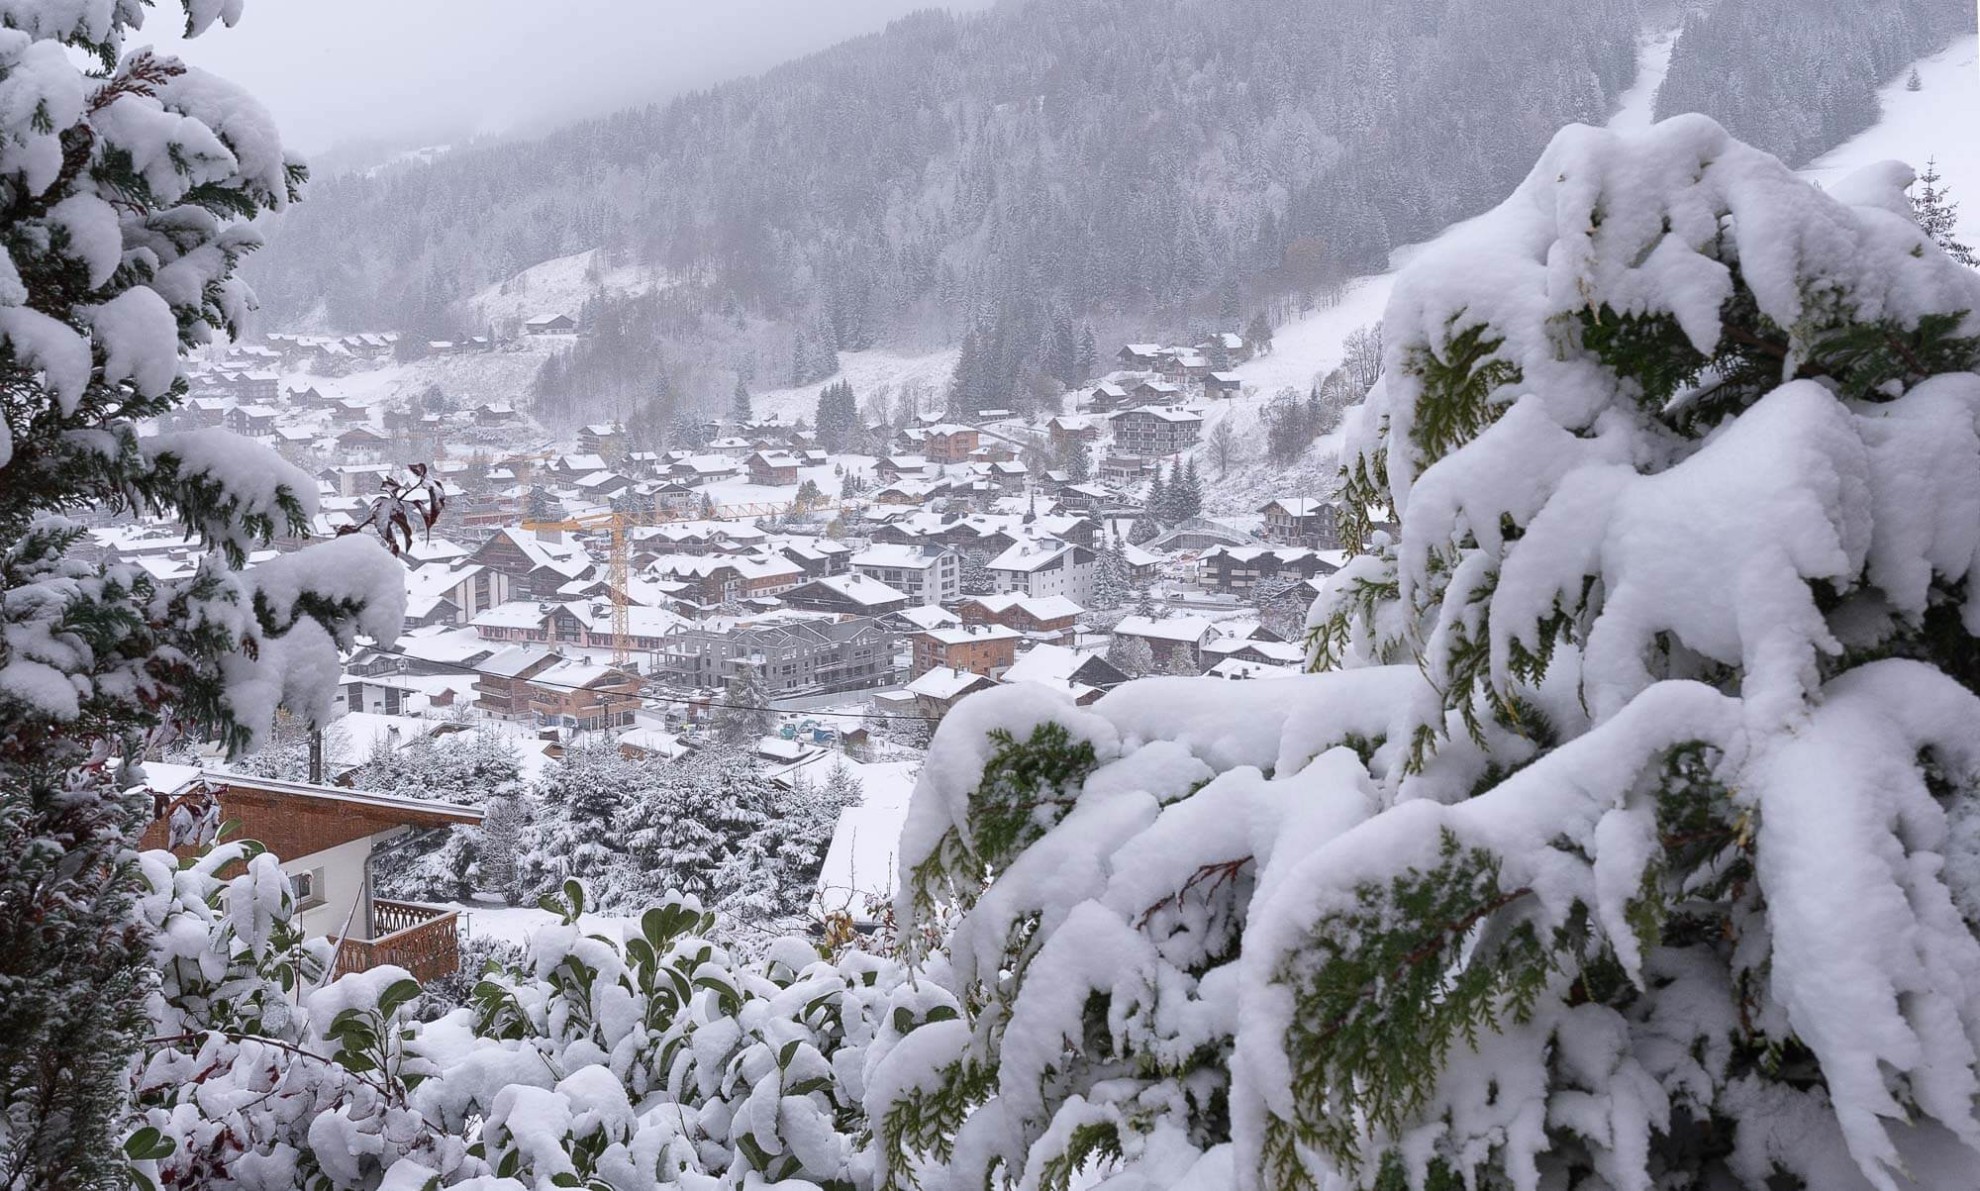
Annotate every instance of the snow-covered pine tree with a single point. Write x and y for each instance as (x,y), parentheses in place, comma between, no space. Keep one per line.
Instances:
(670,821)
(976,578)
(781,830)
(841,790)
(284,752)
(1632,838)
(471,770)
(1078,462)
(743,716)
(1131,656)
(1086,359)
(741,411)
(1912,82)
(1258,334)
(1111,576)
(1938,214)
(1191,502)
(580,801)
(1157,504)
(501,844)
(126,183)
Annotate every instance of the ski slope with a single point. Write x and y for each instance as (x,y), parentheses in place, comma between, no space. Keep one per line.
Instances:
(1937,120)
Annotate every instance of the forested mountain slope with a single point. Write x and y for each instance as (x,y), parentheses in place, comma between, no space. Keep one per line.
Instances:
(1098,154)
(1797,77)
(1150,166)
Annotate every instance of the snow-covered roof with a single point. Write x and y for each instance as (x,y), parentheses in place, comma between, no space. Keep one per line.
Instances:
(945,683)
(1175,628)
(514,660)
(1027,556)
(928,616)
(974,634)
(861,590)
(1050,664)
(577,673)
(1050,607)
(894,554)
(1283,653)
(515,614)
(445,645)
(1238,668)
(1295,506)
(654,741)
(435,581)
(566,558)
(1166,415)
(417,809)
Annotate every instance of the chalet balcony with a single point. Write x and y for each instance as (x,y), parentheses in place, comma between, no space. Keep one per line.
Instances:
(424,940)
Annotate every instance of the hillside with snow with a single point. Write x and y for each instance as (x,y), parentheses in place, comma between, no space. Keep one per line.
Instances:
(1934,122)
(559,286)
(1931,122)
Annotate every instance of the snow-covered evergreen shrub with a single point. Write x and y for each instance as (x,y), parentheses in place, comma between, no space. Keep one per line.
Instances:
(258,1074)
(632,1055)
(711,825)
(1629,840)
(126,183)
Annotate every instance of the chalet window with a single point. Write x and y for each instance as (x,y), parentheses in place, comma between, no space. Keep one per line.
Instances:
(307,887)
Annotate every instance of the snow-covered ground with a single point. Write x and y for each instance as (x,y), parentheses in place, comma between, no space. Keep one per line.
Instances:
(499,376)
(560,286)
(862,864)
(1937,120)
(869,373)
(1635,109)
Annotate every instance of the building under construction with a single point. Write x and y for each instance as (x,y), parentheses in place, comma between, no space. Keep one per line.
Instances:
(789,654)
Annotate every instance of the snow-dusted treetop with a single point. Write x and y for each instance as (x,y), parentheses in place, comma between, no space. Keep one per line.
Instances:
(126,194)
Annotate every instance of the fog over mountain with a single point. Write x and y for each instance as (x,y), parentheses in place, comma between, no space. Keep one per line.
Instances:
(1018,171)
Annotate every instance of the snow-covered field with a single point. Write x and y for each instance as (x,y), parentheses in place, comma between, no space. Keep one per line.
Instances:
(869,373)
(561,286)
(500,376)
(1937,120)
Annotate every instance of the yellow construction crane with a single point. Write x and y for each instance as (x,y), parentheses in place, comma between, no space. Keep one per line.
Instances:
(618,568)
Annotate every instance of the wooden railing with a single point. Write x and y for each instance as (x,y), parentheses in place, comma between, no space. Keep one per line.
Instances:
(424,940)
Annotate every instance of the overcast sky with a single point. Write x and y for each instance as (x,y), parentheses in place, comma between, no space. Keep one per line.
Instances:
(363,70)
